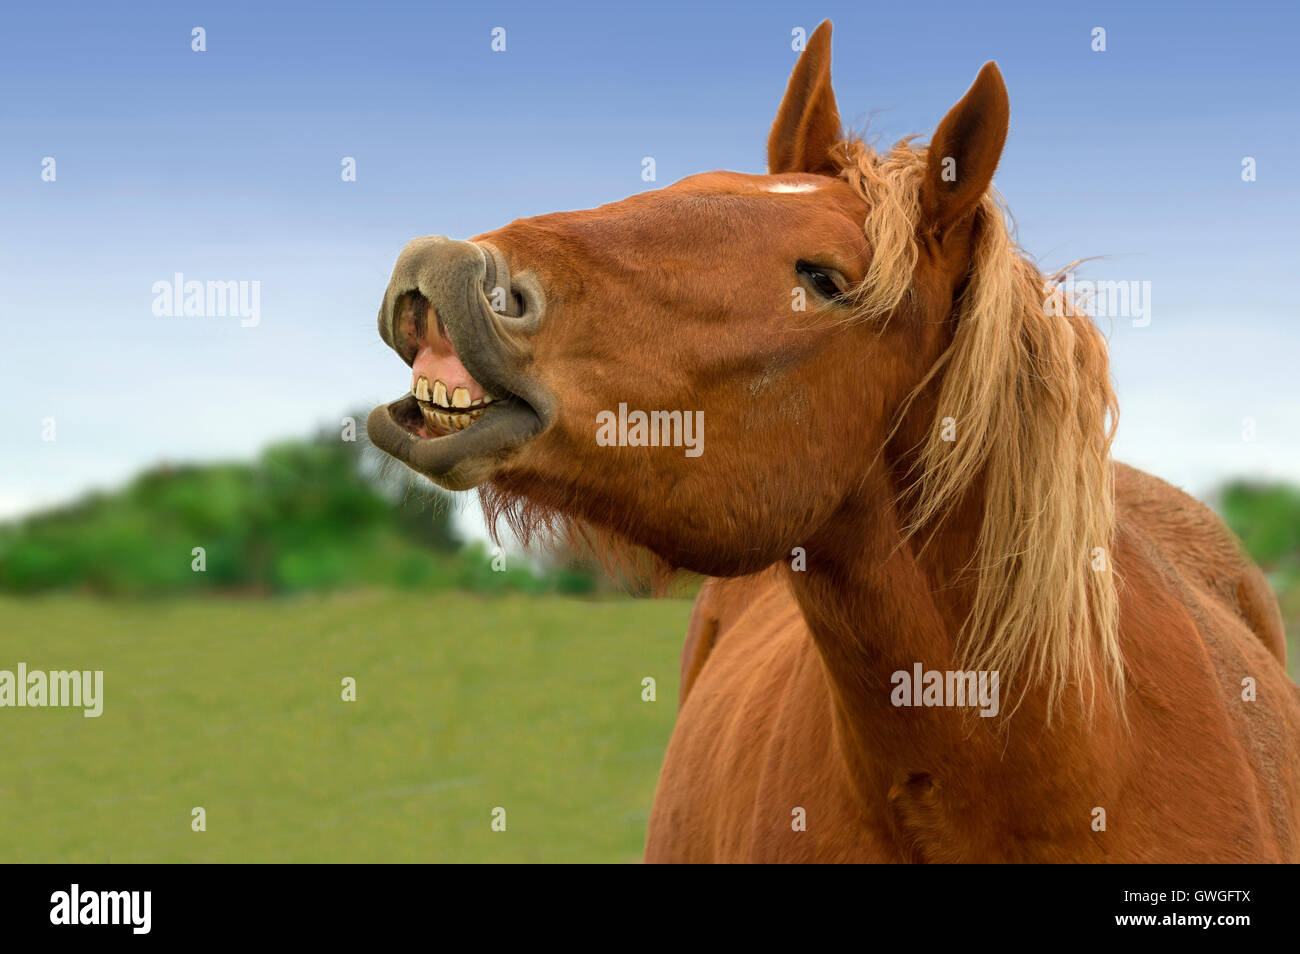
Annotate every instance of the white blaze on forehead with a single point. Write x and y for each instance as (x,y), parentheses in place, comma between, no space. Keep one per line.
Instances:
(792,187)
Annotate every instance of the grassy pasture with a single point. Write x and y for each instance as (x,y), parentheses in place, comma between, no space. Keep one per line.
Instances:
(464,704)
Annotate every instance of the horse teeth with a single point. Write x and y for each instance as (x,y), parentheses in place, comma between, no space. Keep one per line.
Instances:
(448,411)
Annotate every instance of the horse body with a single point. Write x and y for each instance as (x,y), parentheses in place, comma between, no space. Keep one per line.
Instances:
(901,462)
(757,735)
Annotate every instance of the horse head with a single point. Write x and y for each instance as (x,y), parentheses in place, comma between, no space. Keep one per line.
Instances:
(799,328)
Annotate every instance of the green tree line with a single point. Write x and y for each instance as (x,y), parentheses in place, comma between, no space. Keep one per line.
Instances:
(306,515)
(324,513)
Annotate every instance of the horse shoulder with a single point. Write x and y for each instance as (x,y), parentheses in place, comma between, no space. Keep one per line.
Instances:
(718,605)
(752,772)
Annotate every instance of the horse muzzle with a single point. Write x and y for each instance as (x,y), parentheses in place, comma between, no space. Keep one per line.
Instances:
(453,310)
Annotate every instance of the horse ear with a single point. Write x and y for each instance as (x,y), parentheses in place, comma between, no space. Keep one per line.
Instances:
(965,151)
(808,123)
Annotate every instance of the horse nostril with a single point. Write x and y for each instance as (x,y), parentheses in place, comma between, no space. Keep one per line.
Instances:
(415,314)
(512,296)
(501,292)
(411,324)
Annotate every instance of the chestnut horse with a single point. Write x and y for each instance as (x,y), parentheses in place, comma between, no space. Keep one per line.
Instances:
(899,480)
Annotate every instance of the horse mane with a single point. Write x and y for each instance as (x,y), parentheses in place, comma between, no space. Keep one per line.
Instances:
(1026,381)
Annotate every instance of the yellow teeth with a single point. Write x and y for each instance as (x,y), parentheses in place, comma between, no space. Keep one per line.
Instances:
(441,396)
(446,413)
(435,420)
(450,422)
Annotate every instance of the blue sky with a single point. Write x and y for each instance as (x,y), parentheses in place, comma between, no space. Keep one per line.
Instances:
(225,165)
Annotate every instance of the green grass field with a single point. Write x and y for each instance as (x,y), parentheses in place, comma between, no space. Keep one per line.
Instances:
(463,704)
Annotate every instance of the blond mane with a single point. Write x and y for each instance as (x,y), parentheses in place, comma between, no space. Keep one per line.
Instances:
(1026,382)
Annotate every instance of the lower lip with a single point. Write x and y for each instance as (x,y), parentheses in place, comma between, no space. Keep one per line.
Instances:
(457,461)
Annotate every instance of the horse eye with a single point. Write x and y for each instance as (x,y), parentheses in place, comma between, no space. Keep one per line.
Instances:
(826,284)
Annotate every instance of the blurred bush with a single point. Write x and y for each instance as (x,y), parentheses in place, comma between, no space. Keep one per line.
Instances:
(323,513)
(1266,516)
(307,515)
(1267,519)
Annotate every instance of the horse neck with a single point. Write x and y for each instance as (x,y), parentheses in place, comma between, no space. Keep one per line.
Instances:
(876,604)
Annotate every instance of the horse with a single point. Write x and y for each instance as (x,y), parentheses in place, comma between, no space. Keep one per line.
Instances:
(902,480)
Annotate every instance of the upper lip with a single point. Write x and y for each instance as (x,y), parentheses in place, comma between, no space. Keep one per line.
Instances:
(493,348)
